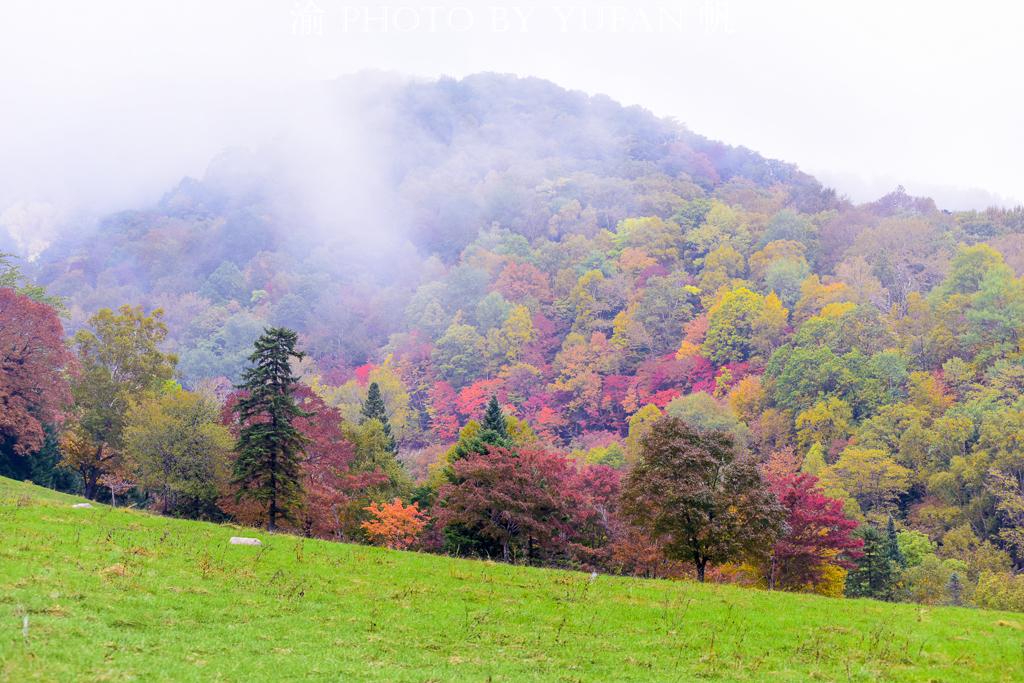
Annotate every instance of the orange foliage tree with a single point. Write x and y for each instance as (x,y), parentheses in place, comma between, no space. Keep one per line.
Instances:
(394,525)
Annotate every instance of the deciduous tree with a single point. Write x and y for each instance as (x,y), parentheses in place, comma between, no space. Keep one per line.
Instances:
(394,525)
(120,360)
(870,476)
(817,533)
(34,363)
(177,450)
(694,491)
(521,504)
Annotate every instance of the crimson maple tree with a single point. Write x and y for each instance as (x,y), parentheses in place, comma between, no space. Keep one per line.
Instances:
(33,363)
(329,484)
(817,533)
(525,503)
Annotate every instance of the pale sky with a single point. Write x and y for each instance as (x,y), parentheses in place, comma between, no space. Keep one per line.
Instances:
(106,104)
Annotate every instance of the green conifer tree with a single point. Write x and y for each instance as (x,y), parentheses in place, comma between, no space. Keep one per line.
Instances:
(874,575)
(493,432)
(955,589)
(375,409)
(494,419)
(270,447)
(893,546)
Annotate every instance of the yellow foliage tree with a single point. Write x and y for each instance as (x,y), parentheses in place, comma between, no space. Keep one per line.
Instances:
(824,422)
(639,425)
(870,476)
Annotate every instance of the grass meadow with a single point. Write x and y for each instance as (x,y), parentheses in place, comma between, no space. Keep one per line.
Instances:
(106,594)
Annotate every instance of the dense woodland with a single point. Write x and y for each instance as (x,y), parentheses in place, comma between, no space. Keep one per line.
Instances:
(575,321)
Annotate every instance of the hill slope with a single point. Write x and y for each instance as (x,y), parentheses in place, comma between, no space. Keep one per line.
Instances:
(334,227)
(120,595)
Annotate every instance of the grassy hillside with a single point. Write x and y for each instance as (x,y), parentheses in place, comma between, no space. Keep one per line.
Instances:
(122,595)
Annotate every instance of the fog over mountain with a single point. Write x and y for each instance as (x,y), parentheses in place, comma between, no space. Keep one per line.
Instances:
(106,107)
(334,154)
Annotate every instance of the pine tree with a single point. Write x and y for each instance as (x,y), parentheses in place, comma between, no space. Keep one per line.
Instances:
(875,573)
(270,447)
(494,419)
(955,588)
(479,438)
(893,545)
(375,409)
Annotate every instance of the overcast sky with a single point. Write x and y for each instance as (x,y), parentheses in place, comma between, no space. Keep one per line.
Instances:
(110,102)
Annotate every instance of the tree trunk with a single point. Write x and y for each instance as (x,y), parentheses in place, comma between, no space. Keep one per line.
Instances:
(701,564)
(272,514)
(272,511)
(504,550)
(89,477)
(167,493)
(91,474)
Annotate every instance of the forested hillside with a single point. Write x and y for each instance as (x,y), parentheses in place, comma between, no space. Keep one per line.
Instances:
(594,269)
(301,233)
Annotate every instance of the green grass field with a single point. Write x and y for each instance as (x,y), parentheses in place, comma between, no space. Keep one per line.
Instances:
(124,595)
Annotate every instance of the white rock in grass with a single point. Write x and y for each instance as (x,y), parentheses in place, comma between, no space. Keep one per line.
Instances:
(81,505)
(243,540)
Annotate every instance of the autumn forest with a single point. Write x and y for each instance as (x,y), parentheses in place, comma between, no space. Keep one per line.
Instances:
(540,328)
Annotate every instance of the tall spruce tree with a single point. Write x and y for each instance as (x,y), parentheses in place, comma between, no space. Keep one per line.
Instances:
(893,545)
(493,431)
(270,448)
(955,590)
(494,419)
(375,409)
(875,574)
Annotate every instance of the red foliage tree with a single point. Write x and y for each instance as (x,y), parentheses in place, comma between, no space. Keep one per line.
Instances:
(613,392)
(520,383)
(547,421)
(701,374)
(634,552)
(362,373)
(817,532)
(526,503)
(523,281)
(659,380)
(546,345)
(597,517)
(444,421)
(327,483)
(33,361)
(473,399)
